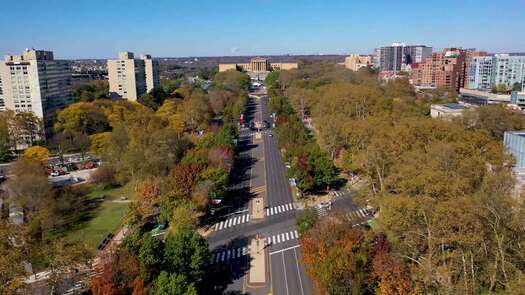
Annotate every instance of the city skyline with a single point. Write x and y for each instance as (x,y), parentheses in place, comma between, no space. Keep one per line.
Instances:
(98,29)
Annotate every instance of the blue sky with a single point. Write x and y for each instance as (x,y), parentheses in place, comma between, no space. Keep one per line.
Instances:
(101,28)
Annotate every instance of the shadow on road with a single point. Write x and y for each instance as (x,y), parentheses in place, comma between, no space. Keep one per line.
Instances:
(226,272)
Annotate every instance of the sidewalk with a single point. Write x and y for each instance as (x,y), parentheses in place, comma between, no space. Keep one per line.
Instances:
(257,274)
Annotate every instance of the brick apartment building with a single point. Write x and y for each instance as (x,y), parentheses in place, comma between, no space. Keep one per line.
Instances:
(441,69)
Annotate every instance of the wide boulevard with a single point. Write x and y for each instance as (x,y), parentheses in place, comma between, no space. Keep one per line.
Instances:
(260,172)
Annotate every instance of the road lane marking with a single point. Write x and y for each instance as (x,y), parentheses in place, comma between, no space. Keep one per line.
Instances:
(285,278)
(278,238)
(296,234)
(298,272)
(287,238)
(285,249)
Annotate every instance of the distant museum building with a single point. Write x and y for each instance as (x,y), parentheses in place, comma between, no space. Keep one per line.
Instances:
(258,67)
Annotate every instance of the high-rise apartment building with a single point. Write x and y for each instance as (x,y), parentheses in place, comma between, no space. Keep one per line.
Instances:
(36,82)
(2,100)
(398,56)
(442,69)
(486,72)
(470,55)
(151,69)
(354,62)
(129,78)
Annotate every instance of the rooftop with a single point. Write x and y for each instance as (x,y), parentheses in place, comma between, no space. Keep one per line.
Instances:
(455,106)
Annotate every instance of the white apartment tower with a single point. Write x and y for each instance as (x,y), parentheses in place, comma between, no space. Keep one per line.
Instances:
(129,78)
(489,71)
(35,82)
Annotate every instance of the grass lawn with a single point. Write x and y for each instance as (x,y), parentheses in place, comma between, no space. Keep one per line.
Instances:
(106,218)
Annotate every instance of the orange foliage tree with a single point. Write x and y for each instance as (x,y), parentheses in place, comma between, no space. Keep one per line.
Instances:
(184,177)
(337,258)
(148,195)
(118,274)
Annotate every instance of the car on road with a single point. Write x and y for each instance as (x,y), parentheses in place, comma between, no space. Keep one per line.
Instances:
(287,164)
(55,174)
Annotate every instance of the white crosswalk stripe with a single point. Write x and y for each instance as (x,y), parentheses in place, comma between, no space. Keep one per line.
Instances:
(282,237)
(233,221)
(358,214)
(280,209)
(229,254)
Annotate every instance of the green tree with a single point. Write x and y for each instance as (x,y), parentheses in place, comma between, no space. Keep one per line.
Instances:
(306,221)
(92,90)
(499,88)
(150,254)
(517,87)
(173,284)
(5,138)
(187,253)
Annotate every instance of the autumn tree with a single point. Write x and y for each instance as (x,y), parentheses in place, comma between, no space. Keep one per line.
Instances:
(37,153)
(496,119)
(337,258)
(11,259)
(82,117)
(117,275)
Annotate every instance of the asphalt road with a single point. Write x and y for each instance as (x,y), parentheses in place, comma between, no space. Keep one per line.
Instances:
(259,171)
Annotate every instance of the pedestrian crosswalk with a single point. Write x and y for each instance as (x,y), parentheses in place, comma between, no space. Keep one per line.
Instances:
(321,211)
(337,193)
(282,237)
(359,213)
(229,254)
(280,209)
(233,221)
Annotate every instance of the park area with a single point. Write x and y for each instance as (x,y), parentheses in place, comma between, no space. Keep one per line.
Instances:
(107,217)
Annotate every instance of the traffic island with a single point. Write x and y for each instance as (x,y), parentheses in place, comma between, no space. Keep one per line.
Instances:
(257,207)
(257,276)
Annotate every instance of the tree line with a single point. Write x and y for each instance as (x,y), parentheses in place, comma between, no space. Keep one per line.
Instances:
(311,166)
(447,222)
(177,156)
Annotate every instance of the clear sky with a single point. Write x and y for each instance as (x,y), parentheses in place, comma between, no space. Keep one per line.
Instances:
(101,28)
